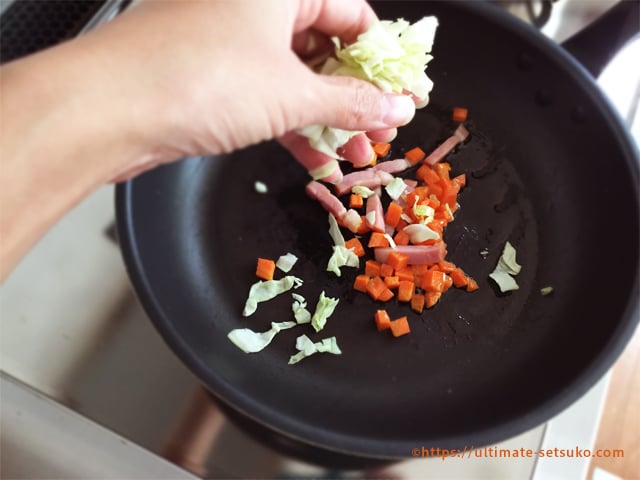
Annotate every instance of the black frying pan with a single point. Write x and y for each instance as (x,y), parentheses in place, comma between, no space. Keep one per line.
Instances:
(550,168)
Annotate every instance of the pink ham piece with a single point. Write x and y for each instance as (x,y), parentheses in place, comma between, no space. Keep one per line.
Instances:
(418,254)
(369,178)
(349,218)
(459,136)
(374,205)
(329,202)
(392,166)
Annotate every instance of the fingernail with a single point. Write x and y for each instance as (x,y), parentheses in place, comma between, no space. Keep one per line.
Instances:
(398,109)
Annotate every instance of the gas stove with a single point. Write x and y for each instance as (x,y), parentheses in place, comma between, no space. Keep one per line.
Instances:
(90,390)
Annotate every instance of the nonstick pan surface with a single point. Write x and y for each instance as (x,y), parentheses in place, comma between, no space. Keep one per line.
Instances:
(550,168)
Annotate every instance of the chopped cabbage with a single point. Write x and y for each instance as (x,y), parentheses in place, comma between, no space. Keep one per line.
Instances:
(395,188)
(251,342)
(419,233)
(506,267)
(263,291)
(306,348)
(324,309)
(299,307)
(260,187)
(544,291)
(286,262)
(392,56)
(505,282)
(364,192)
(334,231)
(342,257)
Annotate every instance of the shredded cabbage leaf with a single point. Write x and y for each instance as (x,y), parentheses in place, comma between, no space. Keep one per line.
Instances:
(299,307)
(334,231)
(260,187)
(286,262)
(506,267)
(262,291)
(364,192)
(391,55)
(306,348)
(251,342)
(342,257)
(324,309)
(395,188)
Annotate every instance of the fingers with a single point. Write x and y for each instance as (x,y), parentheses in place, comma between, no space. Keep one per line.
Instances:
(345,19)
(353,104)
(320,166)
(386,135)
(358,151)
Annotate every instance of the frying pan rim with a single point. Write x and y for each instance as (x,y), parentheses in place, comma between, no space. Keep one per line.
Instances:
(378,448)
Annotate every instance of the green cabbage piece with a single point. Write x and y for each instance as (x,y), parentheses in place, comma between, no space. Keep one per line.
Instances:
(392,56)
(506,267)
(306,348)
(251,342)
(324,309)
(342,257)
(286,262)
(299,307)
(262,291)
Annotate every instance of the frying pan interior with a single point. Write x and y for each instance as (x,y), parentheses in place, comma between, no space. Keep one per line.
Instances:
(550,169)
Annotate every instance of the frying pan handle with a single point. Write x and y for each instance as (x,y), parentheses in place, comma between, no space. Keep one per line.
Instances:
(596,44)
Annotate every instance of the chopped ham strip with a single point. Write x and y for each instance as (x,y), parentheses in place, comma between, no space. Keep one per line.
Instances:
(375,222)
(459,136)
(418,254)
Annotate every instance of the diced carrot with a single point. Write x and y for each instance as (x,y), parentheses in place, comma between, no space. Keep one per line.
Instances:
(364,228)
(386,270)
(378,239)
(381,149)
(398,260)
(430,177)
(405,290)
(431,298)
(401,224)
(460,180)
(360,283)
(472,285)
(417,302)
(442,169)
(399,327)
(386,295)
(392,282)
(460,114)
(436,189)
(382,319)
(450,193)
(448,281)
(265,268)
(356,201)
(414,155)
(375,287)
(446,267)
(459,278)
(355,245)
(392,217)
(434,281)
(404,274)
(418,272)
(371,268)
(401,238)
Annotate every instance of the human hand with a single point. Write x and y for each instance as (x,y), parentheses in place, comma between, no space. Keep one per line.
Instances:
(217,75)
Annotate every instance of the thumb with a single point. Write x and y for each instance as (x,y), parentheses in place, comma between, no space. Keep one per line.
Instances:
(353,104)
